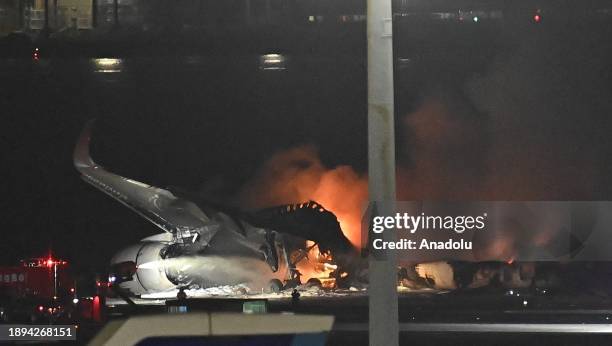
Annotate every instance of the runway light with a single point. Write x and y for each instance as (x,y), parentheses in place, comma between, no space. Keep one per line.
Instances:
(475,19)
(272,62)
(107,62)
(273,58)
(107,65)
(524,303)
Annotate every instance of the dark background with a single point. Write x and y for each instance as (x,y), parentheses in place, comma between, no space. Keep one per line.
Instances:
(192,108)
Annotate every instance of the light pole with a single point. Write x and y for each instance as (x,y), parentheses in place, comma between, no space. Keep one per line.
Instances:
(383,305)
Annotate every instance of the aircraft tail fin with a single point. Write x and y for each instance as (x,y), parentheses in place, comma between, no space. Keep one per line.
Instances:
(167,211)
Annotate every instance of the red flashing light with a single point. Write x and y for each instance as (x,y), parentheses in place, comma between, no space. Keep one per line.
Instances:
(72,290)
(537,18)
(41,308)
(49,262)
(96,309)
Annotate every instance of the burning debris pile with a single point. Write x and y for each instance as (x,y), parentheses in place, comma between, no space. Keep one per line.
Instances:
(326,257)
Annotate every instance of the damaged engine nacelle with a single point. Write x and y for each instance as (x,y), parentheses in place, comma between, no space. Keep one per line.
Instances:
(132,270)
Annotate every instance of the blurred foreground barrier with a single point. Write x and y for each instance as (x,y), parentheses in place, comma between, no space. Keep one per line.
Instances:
(218,328)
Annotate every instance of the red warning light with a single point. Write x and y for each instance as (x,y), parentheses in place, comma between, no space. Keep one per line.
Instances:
(537,18)
(41,308)
(49,262)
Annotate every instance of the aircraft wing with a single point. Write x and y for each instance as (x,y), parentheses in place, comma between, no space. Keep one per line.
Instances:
(172,214)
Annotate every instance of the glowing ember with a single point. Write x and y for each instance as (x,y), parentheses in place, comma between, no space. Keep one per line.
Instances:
(314,264)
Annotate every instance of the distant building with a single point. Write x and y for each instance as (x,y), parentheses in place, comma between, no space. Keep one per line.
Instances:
(34,15)
(33,12)
(73,14)
(9,16)
(129,12)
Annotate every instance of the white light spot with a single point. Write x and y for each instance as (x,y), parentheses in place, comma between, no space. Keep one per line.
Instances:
(107,65)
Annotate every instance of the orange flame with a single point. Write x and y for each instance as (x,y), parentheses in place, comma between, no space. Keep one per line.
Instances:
(297,175)
(315,264)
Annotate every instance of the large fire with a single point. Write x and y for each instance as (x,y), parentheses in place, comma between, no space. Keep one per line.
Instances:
(449,153)
(297,175)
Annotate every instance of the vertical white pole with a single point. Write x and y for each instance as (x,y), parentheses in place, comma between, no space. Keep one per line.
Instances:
(54,279)
(383,305)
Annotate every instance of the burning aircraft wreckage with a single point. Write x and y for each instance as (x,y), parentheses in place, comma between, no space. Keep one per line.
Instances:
(214,248)
(206,245)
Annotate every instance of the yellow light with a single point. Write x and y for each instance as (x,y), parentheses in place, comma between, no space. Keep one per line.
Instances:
(107,62)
